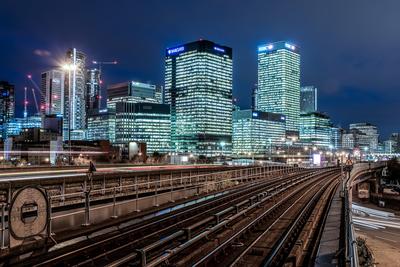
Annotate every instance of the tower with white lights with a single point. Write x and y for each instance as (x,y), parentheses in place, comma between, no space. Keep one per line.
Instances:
(279,82)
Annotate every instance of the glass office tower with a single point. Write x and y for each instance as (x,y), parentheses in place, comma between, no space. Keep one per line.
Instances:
(75,95)
(279,82)
(93,101)
(308,99)
(198,86)
(257,132)
(316,129)
(143,122)
(52,92)
(7,105)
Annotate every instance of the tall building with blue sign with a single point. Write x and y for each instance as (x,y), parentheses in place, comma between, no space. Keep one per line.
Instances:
(279,82)
(198,86)
(257,133)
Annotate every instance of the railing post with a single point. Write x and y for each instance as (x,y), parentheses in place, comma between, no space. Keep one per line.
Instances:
(172,190)
(114,204)
(137,195)
(156,194)
(3,225)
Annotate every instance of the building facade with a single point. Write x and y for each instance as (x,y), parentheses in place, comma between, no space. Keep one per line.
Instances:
(308,99)
(75,94)
(93,97)
(52,92)
(279,82)
(316,130)
(133,92)
(101,126)
(7,105)
(198,87)
(257,132)
(15,126)
(366,136)
(148,123)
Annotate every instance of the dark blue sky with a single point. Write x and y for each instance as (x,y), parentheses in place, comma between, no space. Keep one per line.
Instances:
(349,48)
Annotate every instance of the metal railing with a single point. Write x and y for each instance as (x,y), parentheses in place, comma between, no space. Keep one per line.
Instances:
(351,240)
(199,184)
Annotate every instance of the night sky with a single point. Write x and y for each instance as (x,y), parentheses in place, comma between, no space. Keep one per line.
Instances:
(350,49)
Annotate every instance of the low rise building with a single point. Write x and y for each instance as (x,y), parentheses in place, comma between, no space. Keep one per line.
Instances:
(257,132)
(148,123)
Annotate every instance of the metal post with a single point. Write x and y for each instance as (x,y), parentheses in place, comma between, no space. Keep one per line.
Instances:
(63,192)
(156,194)
(114,204)
(171,191)
(137,195)
(3,226)
(87,209)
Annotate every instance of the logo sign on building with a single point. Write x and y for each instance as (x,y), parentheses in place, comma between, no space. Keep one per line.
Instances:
(175,50)
(219,49)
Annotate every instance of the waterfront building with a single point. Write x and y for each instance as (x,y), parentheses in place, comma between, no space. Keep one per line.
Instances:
(198,87)
(257,132)
(278,84)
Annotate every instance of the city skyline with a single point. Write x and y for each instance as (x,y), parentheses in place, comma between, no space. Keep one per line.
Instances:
(347,72)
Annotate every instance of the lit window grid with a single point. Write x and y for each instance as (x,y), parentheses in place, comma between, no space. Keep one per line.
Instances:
(316,131)
(255,136)
(279,85)
(198,107)
(152,129)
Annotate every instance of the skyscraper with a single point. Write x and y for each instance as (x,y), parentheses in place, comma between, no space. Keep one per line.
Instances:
(279,82)
(7,105)
(52,92)
(75,92)
(92,90)
(308,99)
(198,84)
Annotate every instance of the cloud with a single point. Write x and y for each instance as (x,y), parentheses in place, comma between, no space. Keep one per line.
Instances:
(42,52)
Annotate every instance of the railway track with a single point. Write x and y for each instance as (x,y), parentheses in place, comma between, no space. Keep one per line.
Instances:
(271,237)
(111,247)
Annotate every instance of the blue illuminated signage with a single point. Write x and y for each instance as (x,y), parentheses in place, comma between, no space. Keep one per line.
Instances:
(219,49)
(176,50)
(255,114)
(283,118)
(265,48)
(291,47)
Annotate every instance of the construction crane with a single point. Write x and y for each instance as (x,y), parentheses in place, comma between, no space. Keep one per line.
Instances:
(25,104)
(29,76)
(36,103)
(101,63)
